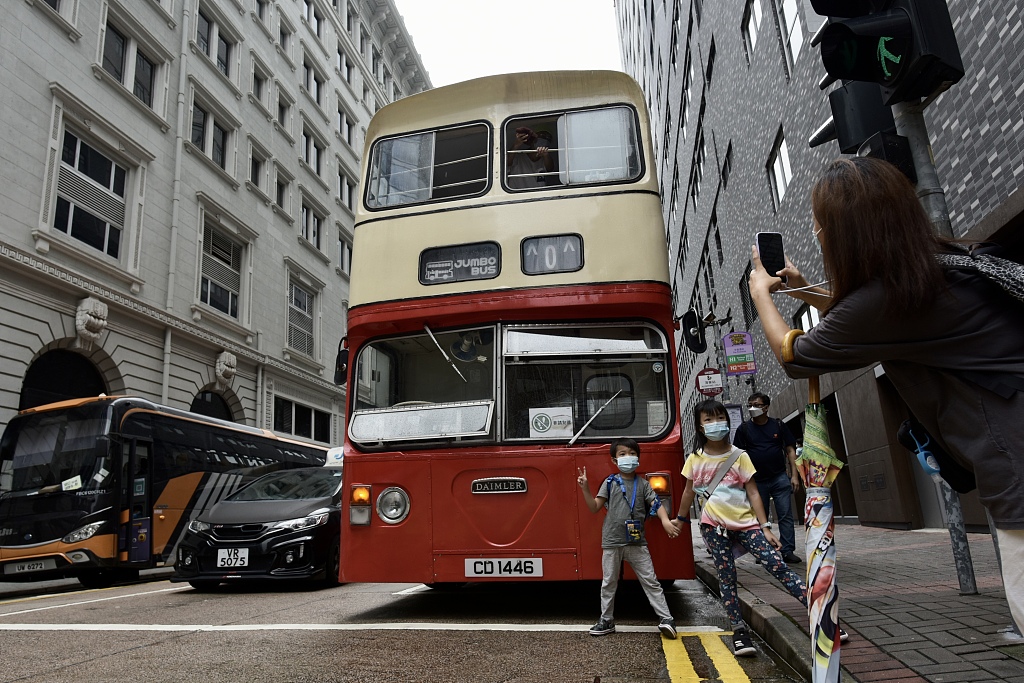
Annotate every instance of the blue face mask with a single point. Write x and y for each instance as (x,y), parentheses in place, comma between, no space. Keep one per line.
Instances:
(716,431)
(627,463)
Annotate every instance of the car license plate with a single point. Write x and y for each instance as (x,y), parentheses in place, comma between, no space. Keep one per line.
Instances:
(500,567)
(233,557)
(30,566)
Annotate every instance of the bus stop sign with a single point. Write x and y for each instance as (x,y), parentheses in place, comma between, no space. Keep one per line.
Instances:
(709,382)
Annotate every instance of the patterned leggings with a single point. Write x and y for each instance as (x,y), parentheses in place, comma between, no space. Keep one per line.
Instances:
(757,545)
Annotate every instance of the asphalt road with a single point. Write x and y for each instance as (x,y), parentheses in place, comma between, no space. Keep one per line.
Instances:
(162,631)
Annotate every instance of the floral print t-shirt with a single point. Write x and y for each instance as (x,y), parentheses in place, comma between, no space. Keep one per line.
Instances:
(729,506)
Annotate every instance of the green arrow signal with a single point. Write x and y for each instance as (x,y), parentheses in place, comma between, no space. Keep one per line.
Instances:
(883,54)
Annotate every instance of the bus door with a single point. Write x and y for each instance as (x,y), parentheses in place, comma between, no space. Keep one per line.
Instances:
(140,520)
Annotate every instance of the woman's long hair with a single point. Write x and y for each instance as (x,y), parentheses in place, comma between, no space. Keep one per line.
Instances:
(875,228)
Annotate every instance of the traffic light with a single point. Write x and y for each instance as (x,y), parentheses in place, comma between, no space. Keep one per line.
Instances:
(857,113)
(906,46)
(693,332)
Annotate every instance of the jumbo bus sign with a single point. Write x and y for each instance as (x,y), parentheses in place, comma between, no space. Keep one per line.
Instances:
(739,354)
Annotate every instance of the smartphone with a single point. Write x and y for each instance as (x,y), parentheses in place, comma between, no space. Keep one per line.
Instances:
(769,248)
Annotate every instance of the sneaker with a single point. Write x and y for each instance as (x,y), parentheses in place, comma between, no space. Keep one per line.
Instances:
(843,635)
(791,558)
(668,628)
(603,628)
(742,645)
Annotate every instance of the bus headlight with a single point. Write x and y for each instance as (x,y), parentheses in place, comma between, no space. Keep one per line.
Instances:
(81,534)
(393,505)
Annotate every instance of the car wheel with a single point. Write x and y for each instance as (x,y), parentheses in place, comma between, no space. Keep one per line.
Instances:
(333,566)
(98,578)
(204,586)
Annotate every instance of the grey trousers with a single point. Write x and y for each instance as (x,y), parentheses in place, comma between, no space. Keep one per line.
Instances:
(639,558)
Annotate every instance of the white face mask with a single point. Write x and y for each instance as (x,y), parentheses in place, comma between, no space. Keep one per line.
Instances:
(716,431)
(755,412)
(627,463)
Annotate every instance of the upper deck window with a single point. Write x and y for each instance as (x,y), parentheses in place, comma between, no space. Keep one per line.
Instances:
(439,164)
(574,148)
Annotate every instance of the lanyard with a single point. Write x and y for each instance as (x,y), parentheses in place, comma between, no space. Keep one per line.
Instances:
(622,486)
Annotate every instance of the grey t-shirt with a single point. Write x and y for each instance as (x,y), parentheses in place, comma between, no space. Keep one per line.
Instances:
(613,532)
(957,363)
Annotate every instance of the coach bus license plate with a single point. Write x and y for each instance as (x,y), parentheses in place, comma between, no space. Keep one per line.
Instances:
(232,557)
(30,566)
(529,567)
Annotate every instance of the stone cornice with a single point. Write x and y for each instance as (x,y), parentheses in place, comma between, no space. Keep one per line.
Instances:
(32,265)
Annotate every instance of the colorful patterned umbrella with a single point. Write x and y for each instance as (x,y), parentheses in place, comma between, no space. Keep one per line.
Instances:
(820,466)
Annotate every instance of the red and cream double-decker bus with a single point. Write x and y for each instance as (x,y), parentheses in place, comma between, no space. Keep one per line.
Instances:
(510,315)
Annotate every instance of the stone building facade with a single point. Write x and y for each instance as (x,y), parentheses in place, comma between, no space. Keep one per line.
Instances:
(732,86)
(177,196)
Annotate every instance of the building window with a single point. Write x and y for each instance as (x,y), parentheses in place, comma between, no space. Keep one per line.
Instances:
(312,224)
(792,34)
(711,64)
(312,150)
(313,81)
(282,188)
(314,18)
(346,127)
(261,9)
(301,420)
(214,41)
(91,196)
(260,83)
(221,280)
(344,255)
(806,317)
(727,167)
(209,134)
(300,319)
(699,156)
(259,165)
(346,190)
(749,26)
(749,310)
(130,65)
(779,170)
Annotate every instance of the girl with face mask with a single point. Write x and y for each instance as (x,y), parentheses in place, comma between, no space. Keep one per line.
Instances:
(733,516)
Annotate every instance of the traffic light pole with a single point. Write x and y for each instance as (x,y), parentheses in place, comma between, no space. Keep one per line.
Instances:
(910,124)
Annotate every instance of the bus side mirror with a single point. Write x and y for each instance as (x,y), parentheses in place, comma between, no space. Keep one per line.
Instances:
(341,364)
(693,332)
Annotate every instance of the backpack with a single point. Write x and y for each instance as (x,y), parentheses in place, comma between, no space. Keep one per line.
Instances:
(981,258)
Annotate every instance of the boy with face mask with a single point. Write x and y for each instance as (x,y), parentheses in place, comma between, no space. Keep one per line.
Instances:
(629,500)
(733,514)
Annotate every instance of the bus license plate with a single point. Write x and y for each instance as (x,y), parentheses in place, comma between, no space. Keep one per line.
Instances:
(233,557)
(500,567)
(30,566)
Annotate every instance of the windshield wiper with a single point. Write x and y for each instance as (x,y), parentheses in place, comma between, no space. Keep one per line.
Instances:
(454,367)
(593,417)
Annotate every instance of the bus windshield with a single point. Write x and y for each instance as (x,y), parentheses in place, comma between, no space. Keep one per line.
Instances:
(56,451)
(554,379)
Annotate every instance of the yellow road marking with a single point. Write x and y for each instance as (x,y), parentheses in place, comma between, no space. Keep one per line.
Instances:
(680,667)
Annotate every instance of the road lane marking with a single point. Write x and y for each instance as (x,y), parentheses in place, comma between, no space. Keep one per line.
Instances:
(86,602)
(415,589)
(680,666)
(408,626)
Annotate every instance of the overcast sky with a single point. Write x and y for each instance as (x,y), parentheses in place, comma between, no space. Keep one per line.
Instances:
(462,39)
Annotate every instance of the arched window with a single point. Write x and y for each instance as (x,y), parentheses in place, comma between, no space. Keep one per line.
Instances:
(212,405)
(60,375)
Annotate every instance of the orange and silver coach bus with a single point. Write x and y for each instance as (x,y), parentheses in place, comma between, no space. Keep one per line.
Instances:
(99,488)
(510,314)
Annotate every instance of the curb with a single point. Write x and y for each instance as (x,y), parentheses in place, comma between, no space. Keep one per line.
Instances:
(776,629)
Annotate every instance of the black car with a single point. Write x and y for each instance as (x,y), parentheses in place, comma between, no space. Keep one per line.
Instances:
(284,525)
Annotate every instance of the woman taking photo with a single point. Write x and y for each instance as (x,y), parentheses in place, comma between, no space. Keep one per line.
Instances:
(951,341)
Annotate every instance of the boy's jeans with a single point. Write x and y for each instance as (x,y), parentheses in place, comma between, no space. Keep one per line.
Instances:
(639,559)
(780,489)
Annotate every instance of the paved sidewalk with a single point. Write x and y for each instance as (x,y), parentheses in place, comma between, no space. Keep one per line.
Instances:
(900,601)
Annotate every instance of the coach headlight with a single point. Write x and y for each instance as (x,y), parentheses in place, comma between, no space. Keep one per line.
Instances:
(393,505)
(81,534)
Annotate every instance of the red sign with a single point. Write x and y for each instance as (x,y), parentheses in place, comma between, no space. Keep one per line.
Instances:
(709,382)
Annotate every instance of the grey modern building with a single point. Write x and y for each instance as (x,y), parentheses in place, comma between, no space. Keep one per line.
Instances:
(177,195)
(732,87)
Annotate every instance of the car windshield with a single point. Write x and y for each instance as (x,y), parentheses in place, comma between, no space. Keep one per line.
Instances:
(299,484)
(56,450)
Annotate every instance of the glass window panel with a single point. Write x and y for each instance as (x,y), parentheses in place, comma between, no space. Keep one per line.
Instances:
(88,228)
(203,33)
(144,72)
(223,55)
(114,52)
(70,149)
(601,146)
(303,421)
(94,165)
(282,415)
(220,142)
(60,218)
(198,127)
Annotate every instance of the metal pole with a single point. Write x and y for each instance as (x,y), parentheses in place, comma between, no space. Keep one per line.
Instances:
(910,124)
(958,538)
